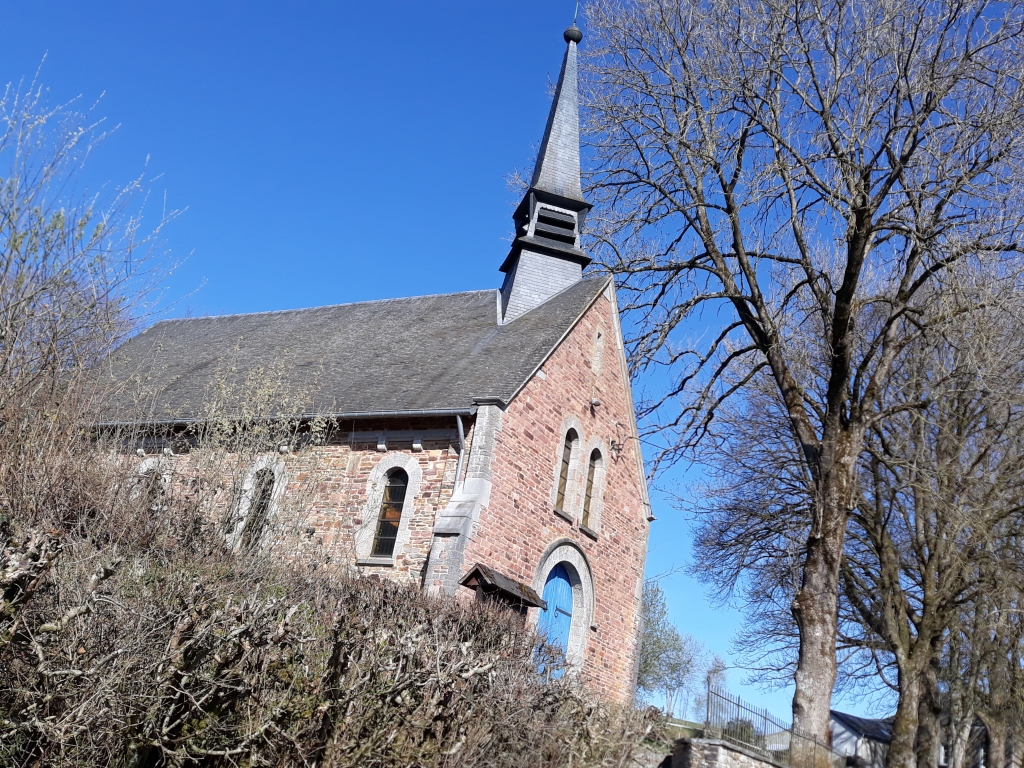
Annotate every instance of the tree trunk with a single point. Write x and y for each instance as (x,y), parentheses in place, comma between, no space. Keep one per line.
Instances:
(958,749)
(902,752)
(996,747)
(816,605)
(929,729)
(815,609)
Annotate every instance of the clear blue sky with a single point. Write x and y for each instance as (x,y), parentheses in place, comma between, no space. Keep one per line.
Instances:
(326,153)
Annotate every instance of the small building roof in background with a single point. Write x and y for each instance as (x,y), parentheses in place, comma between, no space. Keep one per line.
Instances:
(879,729)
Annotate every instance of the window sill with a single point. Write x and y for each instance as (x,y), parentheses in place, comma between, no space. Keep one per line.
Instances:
(564,515)
(381,562)
(588,532)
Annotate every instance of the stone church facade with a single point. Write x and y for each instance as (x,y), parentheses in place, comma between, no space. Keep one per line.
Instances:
(480,444)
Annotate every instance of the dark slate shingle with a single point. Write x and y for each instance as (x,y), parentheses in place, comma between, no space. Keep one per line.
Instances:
(424,353)
(877,729)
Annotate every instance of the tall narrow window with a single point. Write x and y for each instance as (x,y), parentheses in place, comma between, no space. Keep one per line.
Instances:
(390,514)
(259,508)
(563,472)
(595,462)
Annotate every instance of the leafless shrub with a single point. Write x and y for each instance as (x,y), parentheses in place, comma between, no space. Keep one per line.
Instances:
(140,644)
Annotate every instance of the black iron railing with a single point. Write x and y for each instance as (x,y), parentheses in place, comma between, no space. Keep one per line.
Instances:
(731,719)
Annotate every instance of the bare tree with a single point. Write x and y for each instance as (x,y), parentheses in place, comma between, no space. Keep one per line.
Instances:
(75,267)
(940,490)
(785,189)
(930,564)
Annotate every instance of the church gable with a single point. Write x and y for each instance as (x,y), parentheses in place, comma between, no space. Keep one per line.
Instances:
(568,490)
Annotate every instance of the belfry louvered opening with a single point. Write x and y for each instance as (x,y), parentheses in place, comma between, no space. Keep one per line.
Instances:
(555,225)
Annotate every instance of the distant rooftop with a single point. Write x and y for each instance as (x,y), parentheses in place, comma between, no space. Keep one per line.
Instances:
(875,729)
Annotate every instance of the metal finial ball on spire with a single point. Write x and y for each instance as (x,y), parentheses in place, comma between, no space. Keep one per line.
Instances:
(573,34)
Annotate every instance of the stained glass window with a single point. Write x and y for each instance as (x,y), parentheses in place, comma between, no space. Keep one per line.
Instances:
(390,514)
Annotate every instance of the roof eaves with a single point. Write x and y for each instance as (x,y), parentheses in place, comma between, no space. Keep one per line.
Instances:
(493,580)
(410,414)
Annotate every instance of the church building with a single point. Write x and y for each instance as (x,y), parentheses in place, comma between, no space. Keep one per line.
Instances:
(482,444)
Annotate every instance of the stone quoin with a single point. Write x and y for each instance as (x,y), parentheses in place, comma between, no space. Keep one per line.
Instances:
(479,444)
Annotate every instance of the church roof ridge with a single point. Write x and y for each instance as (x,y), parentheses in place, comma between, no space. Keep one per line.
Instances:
(491,291)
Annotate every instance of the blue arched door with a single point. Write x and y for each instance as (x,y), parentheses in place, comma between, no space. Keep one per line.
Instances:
(556,619)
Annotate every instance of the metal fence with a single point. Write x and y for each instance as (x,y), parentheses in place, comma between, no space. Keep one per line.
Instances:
(731,719)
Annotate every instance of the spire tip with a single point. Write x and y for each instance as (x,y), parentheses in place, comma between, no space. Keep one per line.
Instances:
(573,34)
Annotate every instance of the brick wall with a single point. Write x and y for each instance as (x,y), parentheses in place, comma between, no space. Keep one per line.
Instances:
(519,524)
(323,512)
(322,508)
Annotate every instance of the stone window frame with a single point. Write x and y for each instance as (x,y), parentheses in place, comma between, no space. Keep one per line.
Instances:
(568,553)
(600,483)
(573,488)
(375,482)
(159,463)
(241,508)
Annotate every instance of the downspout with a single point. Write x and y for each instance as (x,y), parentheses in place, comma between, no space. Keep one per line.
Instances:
(462,451)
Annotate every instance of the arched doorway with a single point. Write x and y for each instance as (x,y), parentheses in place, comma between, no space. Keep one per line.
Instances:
(556,620)
(563,569)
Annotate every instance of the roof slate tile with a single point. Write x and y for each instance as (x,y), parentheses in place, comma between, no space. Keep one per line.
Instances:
(427,353)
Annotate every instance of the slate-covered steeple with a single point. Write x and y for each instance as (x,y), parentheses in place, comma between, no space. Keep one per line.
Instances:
(546,257)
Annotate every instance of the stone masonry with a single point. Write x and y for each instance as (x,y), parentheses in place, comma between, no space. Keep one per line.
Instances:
(476,396)
(713,753)
(328,496)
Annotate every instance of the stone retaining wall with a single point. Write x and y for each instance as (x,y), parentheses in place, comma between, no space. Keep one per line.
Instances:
(714,753)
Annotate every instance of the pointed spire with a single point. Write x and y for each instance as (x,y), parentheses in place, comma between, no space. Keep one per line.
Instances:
(558,162)
(546,257)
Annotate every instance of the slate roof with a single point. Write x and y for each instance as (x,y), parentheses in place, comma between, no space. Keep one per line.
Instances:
(423,354)
(875,729)
(558,161)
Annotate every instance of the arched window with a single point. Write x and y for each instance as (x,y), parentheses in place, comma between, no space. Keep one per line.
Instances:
(390,513)
(563,474)
(259,508)
(151,484)
(595,463)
